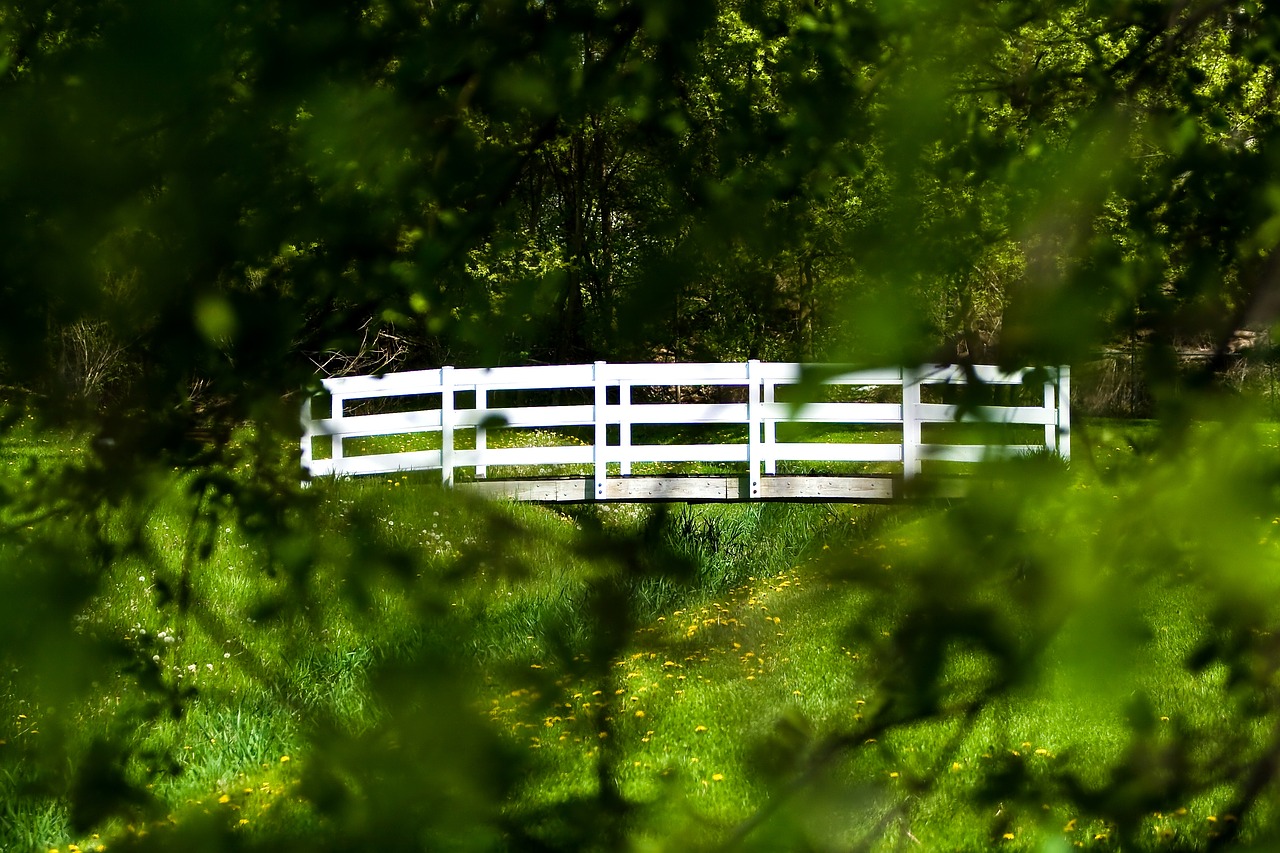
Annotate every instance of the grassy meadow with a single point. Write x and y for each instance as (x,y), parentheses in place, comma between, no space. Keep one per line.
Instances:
(648,677)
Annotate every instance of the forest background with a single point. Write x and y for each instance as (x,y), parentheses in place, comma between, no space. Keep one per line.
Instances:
(204,204)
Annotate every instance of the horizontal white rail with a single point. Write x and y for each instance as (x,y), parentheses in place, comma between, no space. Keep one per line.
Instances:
(602,398)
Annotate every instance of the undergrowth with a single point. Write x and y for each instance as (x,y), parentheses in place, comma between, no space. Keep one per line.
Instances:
(695,660)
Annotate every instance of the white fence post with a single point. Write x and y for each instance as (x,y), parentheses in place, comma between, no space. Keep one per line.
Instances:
(336,403)
(602,433)
(307,436)
(910,422)
(446,425)
(1051,410)
(624,426)
(482,405)
(770,431)
(753,426)
(1064,411)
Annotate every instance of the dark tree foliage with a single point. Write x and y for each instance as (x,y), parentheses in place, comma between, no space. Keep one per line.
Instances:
(199,200)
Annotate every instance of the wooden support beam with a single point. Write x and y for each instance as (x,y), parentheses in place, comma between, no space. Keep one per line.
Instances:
(863,489)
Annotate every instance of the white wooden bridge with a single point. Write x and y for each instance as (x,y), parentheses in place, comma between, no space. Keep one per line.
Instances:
(586,432)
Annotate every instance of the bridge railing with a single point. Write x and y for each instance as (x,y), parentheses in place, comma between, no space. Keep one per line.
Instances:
(447,400)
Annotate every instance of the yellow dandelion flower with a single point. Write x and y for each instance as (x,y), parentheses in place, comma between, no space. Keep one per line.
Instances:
(284,758)
(717,777)
(699,729)
(225,798)
(1008,836)
(639,713)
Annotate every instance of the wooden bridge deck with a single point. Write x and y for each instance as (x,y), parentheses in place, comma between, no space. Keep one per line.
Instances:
(713,488)
(694,488)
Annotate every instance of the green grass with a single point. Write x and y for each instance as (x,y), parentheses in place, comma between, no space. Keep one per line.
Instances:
(751,635)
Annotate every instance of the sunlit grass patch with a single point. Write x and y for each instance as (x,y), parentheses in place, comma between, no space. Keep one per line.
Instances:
(755,634)
(693,703)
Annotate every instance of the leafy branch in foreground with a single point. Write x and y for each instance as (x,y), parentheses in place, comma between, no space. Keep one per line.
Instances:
(205,194)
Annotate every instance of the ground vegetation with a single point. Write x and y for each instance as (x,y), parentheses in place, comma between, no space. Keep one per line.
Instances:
(201,202)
